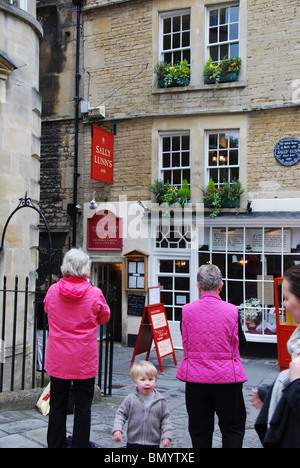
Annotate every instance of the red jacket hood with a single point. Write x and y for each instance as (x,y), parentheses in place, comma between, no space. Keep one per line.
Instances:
(72,288)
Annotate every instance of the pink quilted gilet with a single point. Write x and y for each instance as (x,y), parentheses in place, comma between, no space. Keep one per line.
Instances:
(210,342)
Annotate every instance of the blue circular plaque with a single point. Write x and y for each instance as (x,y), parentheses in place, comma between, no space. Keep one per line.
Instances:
(287,151)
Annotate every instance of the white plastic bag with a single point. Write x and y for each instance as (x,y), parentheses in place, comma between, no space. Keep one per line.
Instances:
(43,403)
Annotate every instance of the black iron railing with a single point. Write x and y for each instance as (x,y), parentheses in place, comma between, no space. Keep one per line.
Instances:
(19,319)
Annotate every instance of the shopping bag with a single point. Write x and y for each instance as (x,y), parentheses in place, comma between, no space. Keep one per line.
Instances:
(43,403)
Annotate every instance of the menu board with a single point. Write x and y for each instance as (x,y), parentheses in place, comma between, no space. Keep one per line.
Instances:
(136,305)
(154,326)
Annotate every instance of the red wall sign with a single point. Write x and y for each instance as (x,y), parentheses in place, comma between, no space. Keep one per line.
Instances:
(104,231)
(102,160)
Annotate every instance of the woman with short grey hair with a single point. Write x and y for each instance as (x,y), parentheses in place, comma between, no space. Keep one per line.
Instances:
(209,277)
(211,365)
(75,309)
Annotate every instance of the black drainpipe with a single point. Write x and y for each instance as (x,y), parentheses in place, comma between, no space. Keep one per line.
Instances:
(78,4)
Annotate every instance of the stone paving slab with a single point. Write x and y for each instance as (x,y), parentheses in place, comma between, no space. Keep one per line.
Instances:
(28,428)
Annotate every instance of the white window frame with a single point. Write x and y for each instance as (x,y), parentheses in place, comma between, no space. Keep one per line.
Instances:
(265,282)
(218,43)
(227,167)
(172,14)
(179,168)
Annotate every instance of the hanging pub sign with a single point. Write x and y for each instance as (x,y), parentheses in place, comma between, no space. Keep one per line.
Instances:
(104,231)
(102,158)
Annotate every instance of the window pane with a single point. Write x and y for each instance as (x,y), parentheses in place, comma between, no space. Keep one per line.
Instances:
(234,14)
(213,35)
(224,51)
(223,33)
(213,141)
(213,17)
(213,158)
(166,160)
(186,174)
(186,39)
(234,50)
(185,142)
(167,43)
(177,177)
(223,141)
(176,41)
(177,57)
(176,143)
(234,31)
(168,57)
(178,313)
(185,159)
(186,22)
(186,55)
(214,53)
(182,266)
(167,25)
(233,158)
(166,266)
(167,176)
(182,284)
(166,282)
(224,15)
(166,144)
(176,160)
(233,141)
(176,24)
(167,298)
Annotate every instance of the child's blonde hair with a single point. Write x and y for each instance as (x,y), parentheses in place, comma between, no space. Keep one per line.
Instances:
(144,367)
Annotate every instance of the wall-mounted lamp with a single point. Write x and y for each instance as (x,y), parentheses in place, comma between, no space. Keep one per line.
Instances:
(143,206)
(249,209)
(94,204)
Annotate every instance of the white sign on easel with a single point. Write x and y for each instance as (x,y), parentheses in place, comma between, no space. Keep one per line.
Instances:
(154,295)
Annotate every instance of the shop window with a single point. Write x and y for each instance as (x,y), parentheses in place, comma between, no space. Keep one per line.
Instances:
(223,156)
(174,277)
(175,158)
(223,32)
(175,36)
(250,259)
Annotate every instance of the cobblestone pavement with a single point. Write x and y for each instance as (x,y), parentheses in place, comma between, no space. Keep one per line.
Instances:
(28,428)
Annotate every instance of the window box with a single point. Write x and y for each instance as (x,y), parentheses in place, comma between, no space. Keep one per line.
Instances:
(228,77)
(179,82)
(168,75)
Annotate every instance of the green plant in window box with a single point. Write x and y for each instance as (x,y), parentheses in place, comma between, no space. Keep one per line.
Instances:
(212,197)
(231,192)
(227,196)
(168,75)
(226,70)
(169,194)
(183,194)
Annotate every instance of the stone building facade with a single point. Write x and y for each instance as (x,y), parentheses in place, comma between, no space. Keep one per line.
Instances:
(20,130)
(120,43)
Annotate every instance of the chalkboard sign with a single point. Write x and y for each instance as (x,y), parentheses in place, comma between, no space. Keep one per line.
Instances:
(287,151)
(136,305)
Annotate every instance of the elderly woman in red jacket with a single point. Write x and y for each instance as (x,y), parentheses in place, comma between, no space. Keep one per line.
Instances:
(75,309)
(211,365)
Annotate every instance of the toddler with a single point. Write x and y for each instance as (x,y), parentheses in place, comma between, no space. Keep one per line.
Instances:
(146,411)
